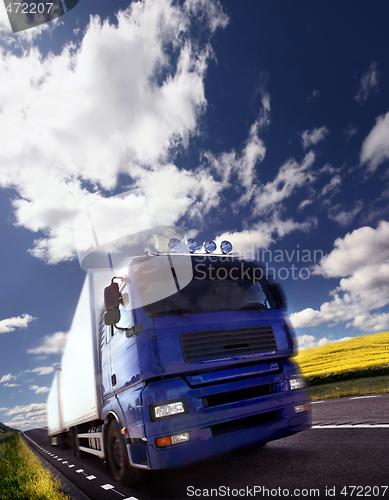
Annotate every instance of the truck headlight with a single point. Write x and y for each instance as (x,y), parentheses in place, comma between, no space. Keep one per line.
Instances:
(297,383)
(168,409)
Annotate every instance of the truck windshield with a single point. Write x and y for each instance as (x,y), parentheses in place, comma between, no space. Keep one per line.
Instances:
(218,284)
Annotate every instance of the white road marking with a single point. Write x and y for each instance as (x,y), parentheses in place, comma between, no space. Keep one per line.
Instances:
(315,402)
(350,426)
(364,397)
(107,487)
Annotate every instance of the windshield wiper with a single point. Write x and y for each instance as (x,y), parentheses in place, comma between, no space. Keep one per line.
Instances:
(175,312)
(252,305)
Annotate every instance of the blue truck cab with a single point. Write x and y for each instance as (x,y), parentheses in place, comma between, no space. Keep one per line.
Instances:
(202,371)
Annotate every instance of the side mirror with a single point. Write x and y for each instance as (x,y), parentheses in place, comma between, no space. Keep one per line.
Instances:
(111,297)
(112,317)
(279,294)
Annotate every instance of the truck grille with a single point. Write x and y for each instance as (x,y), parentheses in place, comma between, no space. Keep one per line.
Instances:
(245,423)
(214,344)
(240,395)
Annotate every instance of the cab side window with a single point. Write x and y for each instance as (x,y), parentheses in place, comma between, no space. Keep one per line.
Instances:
(126,316)
(110,332)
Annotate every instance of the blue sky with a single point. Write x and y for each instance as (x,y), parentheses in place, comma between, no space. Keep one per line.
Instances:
(262,122)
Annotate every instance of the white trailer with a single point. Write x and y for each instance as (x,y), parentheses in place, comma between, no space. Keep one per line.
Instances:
(55,409)
(74,397)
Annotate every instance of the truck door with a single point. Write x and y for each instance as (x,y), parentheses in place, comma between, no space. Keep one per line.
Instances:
(125,370)
(106,383)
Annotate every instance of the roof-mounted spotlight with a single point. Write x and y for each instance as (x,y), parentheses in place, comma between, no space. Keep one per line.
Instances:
(174,244)
(192,245)
(226,246)
(210,246)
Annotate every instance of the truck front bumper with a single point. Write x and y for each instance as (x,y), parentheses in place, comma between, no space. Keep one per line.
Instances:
(223,416)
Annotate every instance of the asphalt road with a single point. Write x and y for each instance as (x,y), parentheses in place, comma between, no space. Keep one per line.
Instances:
(344,455)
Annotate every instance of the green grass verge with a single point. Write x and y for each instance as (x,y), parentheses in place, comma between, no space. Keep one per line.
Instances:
(22,476)
(353,387)
(343,376)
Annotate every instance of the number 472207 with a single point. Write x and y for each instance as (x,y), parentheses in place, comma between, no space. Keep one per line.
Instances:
(32,8)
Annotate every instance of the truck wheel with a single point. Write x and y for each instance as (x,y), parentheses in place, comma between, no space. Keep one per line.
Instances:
(74,443)
(121,468)
(62,442)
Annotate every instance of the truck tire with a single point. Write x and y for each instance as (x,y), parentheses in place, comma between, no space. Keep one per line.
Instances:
(62,441)
(74,443)
(121,468)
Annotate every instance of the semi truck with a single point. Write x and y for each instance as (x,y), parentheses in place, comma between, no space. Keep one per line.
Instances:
(154,380)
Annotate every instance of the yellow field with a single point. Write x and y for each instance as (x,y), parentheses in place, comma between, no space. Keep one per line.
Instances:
(356,354)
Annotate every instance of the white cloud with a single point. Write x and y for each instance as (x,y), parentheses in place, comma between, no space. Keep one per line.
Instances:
(304,204)
(370,322)
(242,241)
(42,370)
(22,410)
(311,138)
(239,169)
(7,378)
(361,260)
(350,131)
(27,417)
(11,324)
(358,249)
(263,234)
(332,186)
(11,385)
(344,338)
(344,217)
(116,104)
(39,390)
(315,94)
(52,344)
(306,341)
(375,148)
(309,341)
(179,192)
(291,176)
(368,84)
(267,200)
(120,103)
